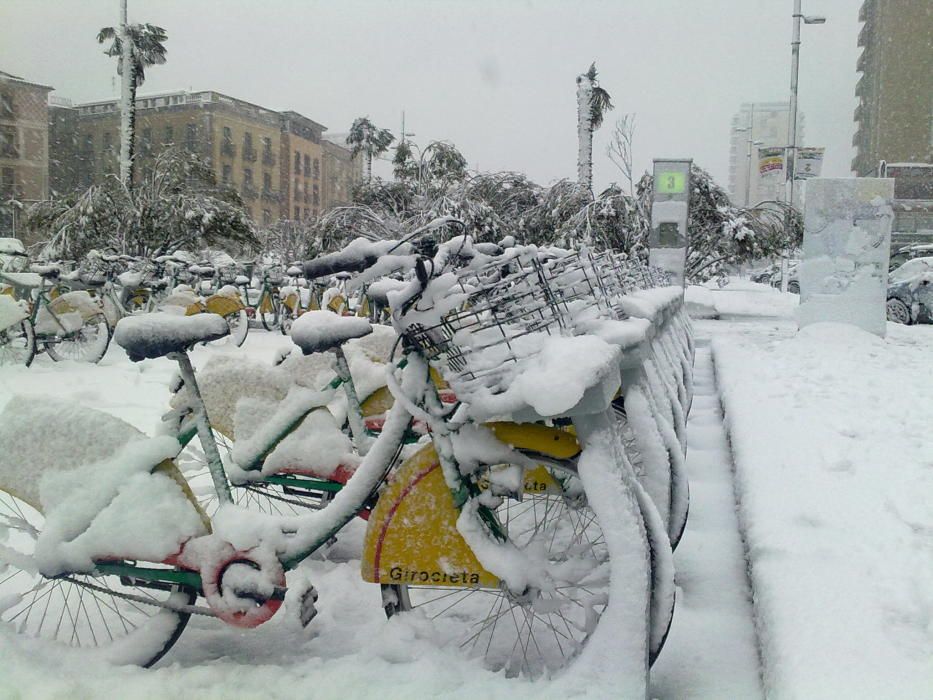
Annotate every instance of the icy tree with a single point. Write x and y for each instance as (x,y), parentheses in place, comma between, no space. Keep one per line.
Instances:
(138,46)
(721,234)
(178,205)
(291,241)
(592,104)
(366,138)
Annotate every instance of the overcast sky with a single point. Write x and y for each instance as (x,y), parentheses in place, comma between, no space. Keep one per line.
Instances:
(496,78)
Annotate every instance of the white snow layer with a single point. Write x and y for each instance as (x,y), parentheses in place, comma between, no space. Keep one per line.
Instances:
(831,437)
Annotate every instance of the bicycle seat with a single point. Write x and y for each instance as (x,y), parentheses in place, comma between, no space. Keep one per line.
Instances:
(157,334)
(27,280)
(294,271)
(241,280)
(318,331)
(47,272)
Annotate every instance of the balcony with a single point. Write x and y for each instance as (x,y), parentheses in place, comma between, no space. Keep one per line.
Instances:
(228,149)
(249,153)
(864,36)
(268,158)
(249,191)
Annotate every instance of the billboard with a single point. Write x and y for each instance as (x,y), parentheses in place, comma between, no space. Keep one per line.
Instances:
(770,161)
(809,163)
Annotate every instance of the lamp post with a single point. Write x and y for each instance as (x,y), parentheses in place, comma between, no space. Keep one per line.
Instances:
(790,158)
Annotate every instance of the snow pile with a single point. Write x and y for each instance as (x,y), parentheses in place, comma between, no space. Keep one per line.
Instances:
(92,476)
(11,311)
(831,437)
(71,309)
(652,303)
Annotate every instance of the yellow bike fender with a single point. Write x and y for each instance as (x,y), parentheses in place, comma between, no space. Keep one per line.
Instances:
(195,308)
(171,470)
(545,440)
(337,304)
(412,535)
(292,302)
(378,402)
(223,305)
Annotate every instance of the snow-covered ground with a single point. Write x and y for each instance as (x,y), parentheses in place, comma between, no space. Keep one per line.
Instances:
(831,435)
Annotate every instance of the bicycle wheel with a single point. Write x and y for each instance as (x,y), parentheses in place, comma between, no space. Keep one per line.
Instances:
(540,631)
(97,615)
(18,344)
(87,344)
(268,311)
(258,496)
(238,323)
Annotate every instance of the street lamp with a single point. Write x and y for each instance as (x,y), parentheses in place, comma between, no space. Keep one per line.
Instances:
(791,156)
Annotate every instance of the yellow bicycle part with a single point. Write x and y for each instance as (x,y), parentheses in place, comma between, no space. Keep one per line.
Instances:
(412,534)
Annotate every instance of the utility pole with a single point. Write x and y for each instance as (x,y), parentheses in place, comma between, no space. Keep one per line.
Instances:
(790,157)
(748,154)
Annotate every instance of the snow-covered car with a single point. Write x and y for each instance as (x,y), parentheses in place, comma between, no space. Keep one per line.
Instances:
(910,292)
(793,277)
(763,275)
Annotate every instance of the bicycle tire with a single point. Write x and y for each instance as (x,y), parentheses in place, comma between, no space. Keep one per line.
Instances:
(569,530)
(18,344)
(100,625)
(76,346)
(270,320)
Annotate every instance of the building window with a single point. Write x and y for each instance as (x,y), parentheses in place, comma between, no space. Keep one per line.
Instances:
(297,163)
(7,183)
(297,213)
(169,134)
(297,186)
(226,144)
(191,137)
(266,217)
(249,153)
(307,213)
(315,196)
(307,168)
(226,176)
(266,182)
(317,169)
(88,143)
(8,147)
(6,105)
(268,158)
(247,176)
(107,145)
(146,141)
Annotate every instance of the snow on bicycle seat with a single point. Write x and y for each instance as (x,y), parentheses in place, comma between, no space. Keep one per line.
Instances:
(317,331)
(22,279)
(130,278)
(158,334)
(241,280)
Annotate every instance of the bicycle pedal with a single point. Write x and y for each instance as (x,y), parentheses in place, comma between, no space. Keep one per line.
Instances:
(307,610)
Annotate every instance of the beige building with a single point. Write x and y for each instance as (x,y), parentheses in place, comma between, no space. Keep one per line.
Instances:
(24,146)
(273,158)
(894,116)
(758,125)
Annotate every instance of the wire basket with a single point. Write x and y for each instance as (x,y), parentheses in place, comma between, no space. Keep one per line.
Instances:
(274,274)
(95,270)
(227,274)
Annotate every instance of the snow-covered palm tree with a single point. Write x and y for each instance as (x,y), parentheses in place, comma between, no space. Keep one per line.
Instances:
(366,138)
(145,48)
(592,104)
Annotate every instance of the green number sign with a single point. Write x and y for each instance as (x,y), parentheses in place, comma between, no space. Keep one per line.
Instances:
(670,183)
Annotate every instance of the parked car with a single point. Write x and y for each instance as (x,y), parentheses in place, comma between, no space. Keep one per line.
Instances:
(910,292)
(763,275)
(793,277)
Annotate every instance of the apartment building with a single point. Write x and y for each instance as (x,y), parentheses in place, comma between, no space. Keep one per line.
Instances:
(273,158)
(24,146)
(894,117)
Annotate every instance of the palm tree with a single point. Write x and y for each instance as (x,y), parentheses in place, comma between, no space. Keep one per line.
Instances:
(145,48)
(592,104)
(369,140)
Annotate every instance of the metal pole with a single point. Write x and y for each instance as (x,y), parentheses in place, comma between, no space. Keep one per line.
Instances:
(748,155)
(790,157)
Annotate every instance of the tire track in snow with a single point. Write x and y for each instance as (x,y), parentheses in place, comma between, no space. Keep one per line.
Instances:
(712,650)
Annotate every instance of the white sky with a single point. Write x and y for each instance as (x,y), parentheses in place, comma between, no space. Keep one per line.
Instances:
(496,78)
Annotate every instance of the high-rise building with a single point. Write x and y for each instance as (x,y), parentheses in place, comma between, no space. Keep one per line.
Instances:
(273,158)
(758,125)
(894,116)
(24,146)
